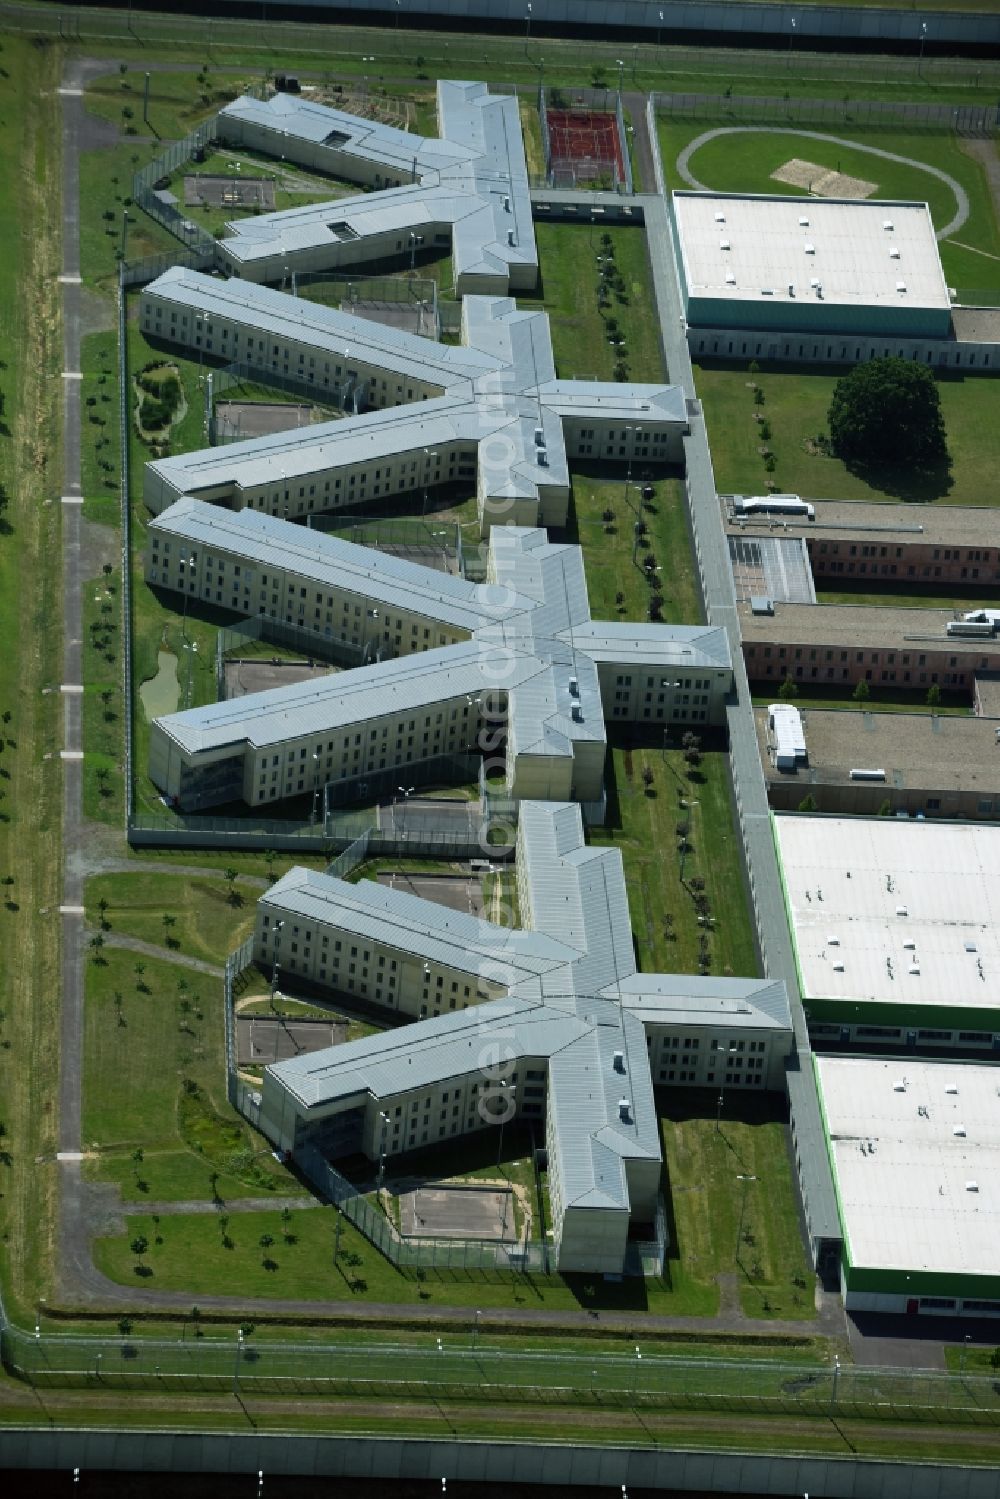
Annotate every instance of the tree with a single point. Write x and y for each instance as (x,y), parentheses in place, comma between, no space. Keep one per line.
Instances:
(788,689)
(231,876)
(888,411)
(933,695)
(862,692)
(808,804)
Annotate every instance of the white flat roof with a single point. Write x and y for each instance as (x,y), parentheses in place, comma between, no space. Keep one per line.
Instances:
(751,249)
(914,1194)
(882,896)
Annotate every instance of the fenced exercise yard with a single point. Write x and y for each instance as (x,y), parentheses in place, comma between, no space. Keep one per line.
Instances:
(263,1039)
(235,191)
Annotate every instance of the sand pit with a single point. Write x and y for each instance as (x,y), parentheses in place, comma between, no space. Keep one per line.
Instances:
(821,182)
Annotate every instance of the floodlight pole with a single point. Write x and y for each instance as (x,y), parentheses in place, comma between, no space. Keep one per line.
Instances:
(236,1364)
(145,101)
(746,1179)
(923,38)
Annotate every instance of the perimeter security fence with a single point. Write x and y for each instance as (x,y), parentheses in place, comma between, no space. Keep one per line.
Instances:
(463,1365)
(861,114)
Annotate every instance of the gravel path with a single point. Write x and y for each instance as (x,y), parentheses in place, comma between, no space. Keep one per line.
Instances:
(167,954)
(961,196)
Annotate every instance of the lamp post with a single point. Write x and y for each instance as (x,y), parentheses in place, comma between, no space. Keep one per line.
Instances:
(429,453)
(746,1179)
(634,433)
(923,38)
(635,1373)
(659,27)
(527,24)
(475,1330)
(405,792)
(722,1085)
(274,961)
(381,1150)
(791,41)
(503,1114)
(620,61)
(315,801)
(236,1363)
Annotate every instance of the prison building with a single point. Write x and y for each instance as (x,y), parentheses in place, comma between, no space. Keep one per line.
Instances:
(467,190)
(547,1023)
(524,660)
(488,413)
(921,544)
(844,644)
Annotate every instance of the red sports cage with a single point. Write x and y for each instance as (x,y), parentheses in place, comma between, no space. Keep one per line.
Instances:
(586,141)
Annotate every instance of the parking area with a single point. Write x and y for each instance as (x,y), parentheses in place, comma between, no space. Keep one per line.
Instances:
(458,892)
(263,1039)
(259,673)
(443,1211)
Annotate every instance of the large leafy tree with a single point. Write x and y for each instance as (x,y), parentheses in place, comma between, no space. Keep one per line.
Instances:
(888,411)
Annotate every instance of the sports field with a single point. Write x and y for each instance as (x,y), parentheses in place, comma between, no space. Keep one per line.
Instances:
(585,144)
(747,160)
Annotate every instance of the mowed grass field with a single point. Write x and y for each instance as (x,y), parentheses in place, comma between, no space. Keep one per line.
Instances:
(744,162)
(700,1177)
(31,660)
(203,920)
(154,1082)
(796,402)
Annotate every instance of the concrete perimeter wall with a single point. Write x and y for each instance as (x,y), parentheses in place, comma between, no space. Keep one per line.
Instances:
(489,1462)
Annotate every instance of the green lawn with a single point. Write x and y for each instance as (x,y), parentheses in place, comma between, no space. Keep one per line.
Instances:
(568,282)
(105,183)
(882,700)
(177,101)
(744,163)
(608,545)
(103,797)
(154,1080)
(703,1166)
(796,402)
(642,822)
(205,923)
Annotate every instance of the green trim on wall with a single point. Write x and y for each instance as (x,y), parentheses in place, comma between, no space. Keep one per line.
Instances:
(899,1015)
(903,1282)
(784,895)
(845,1236)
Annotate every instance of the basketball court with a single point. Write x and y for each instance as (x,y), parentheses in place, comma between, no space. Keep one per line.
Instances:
(263,1039)
(443,1211)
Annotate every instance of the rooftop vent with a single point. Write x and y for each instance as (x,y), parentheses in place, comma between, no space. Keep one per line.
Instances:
(910,944)
(791,288)
(951,1088)
(619,1060)
(833,941)
(761,604)
(972,1186)
(893,252)
(958,1129)
(902,911)
(724,243)
(577,713)
(860,774)
(814,282)
(838,967)
(574,687)
(624,1109)
(809,247)
(539,437)
(970,947)
(914,968)
(900,285)
(899,1086)
(506,203)
(720,218)
(767,291)
(803,222)
(730,278)
(888,224)
(510,237)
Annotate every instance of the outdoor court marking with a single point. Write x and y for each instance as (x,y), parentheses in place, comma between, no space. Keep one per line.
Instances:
(71,754)
(71,499)
(445,1211)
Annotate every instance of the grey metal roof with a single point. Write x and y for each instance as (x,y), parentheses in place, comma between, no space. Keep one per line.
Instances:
(416,926)
(474,181)
(330,562)
(683,998)
(681,646)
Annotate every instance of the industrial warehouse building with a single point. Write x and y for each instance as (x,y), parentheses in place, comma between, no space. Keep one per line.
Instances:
(924,544)
(519,656)
(489,413)
(821,280)
(896,929)
(549,1022)
(467,188)
(861,763)
(843,644)
(915,1152)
